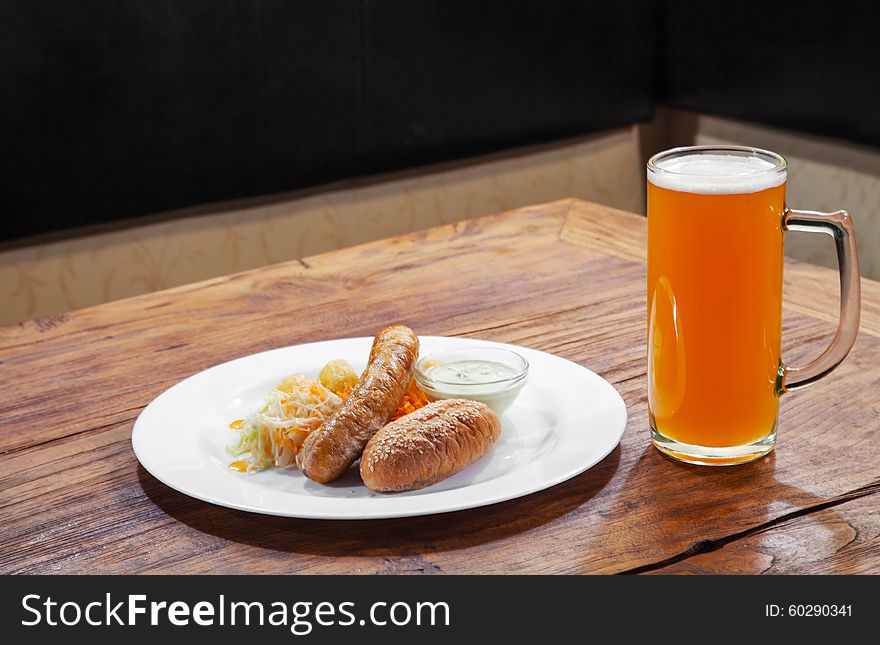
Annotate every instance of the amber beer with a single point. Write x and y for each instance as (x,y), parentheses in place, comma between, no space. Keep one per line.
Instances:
(715,300)
(716,220)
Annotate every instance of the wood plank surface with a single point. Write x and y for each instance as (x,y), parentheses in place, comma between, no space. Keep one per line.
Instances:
(841,539)
(566,277)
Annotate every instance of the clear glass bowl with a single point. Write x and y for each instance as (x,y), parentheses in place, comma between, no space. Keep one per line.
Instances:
(499,394)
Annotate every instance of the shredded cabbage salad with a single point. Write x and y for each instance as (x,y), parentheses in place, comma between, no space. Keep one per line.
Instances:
(274,434)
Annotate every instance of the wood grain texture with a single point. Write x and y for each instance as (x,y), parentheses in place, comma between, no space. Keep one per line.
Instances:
(841,539)
(74,499)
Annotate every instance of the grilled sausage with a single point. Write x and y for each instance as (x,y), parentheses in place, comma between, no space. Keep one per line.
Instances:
(428,445)
(329,451)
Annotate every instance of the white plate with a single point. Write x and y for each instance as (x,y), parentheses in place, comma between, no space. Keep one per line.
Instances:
(565,420)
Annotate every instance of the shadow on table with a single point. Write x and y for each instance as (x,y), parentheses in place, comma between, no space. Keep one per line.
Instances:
(384,538)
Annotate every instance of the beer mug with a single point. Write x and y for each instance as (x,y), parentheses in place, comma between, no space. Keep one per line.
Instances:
(716,220)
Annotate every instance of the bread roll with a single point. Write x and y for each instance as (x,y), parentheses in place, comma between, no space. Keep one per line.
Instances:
(428,445)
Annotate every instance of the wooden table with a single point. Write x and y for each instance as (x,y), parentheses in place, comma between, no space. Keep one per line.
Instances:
(566,277)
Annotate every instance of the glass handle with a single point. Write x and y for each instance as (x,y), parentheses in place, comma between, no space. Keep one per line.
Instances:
(840,226)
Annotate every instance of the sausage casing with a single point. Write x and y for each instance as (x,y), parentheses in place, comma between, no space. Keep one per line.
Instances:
(331,449)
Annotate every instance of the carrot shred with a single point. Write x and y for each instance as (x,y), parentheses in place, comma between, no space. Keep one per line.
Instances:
(413,399)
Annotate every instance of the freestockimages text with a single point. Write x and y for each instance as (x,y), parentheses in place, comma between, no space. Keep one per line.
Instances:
(299,617)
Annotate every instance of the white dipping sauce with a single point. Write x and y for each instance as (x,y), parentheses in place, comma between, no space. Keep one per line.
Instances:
(471,372)
(490,382)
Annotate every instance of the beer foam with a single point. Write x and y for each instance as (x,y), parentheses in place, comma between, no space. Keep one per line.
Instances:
(716,174)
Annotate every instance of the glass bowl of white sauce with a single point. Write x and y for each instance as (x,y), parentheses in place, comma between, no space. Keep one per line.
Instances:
(491,375)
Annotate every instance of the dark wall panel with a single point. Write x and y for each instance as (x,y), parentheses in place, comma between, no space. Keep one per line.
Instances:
(113,109)
(454,78)
(810,66)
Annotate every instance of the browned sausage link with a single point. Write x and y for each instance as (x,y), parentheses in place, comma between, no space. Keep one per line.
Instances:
(428,445)
(329,451)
